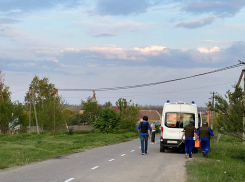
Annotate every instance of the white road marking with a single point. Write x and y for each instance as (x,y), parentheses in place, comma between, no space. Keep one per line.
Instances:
(111,160)
(132,150)
(123,154)
(95,167)
(69,180)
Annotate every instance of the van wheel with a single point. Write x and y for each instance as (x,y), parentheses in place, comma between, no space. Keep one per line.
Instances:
(162,150)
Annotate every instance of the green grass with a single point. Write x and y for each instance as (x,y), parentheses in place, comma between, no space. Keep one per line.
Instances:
(225,162)
(23,149)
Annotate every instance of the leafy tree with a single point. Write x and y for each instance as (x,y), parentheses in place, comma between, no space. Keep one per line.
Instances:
(107,105)
(42,89)
(122,104)
(71,117)
(50,115)
(77,119)
(68,112)
(10,111)
(204,118)
(108,121)
(91,110)
(49,108)
(6,110)
(20,115)
(129,114)
(230,113)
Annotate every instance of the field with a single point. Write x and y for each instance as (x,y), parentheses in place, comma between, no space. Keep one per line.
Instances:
(23,149)
(225,162)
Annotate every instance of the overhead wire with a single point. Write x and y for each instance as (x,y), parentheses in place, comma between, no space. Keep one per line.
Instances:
(20,90)
(169,92)
(154,83)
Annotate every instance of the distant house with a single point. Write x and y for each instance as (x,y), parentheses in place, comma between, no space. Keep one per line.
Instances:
(75,109)
(153,115)
(140,114)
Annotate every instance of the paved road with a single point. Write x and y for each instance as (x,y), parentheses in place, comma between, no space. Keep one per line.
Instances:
(119,162)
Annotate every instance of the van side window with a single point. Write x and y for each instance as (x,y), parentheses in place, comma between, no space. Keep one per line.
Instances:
(178,119)
(199,119)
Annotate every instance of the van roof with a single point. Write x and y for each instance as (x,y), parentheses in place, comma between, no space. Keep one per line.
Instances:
(180,102)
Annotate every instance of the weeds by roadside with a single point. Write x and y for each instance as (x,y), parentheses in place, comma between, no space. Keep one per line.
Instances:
(26,148)
(225,162)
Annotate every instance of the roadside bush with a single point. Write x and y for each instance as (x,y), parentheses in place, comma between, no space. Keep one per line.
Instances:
(108,121)
(71,131)
(158,128)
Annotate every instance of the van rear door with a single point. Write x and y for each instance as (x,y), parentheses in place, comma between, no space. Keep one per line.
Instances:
(199,119)
(186,116)
(170,121)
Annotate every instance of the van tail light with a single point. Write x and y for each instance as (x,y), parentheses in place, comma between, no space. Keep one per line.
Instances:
(161,132)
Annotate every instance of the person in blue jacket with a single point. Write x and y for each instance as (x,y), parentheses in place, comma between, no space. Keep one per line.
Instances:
(189,133)
(144,129)
(204,134)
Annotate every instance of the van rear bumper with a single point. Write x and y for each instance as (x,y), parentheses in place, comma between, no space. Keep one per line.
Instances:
(171,144)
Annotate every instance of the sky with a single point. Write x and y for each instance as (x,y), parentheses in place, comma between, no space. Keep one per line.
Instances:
(91,44)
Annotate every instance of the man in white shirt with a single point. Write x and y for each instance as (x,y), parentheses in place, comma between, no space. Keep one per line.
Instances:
(153,131)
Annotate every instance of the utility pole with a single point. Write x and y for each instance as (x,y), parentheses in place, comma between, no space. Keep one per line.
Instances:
(33,99)
(94,96)
(1,91)
(30,110)
(238,83)
(208,117)
(212,112)
(54,110)
(243,135)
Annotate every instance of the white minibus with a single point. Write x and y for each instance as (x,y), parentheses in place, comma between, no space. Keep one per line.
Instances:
(175,116)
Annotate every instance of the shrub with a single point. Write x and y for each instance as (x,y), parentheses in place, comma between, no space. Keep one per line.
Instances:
(108,121)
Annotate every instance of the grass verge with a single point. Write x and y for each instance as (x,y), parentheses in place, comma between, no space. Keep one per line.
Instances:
(225,162)
(23,149)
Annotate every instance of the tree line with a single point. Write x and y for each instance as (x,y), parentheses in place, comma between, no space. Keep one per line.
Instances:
(229,113)
(53,115)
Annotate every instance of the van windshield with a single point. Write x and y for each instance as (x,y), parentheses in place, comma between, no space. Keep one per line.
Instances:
(178,119)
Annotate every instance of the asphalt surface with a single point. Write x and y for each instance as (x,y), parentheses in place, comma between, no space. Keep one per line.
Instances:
(119,162)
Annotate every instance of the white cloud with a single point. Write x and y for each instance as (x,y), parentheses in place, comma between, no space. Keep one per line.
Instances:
(206,50)
(152,50)
(112,52)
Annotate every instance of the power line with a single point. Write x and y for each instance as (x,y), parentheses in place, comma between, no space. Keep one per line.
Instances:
(20,90)
(155,83)
(186,89)
(15,82)
(158,93)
